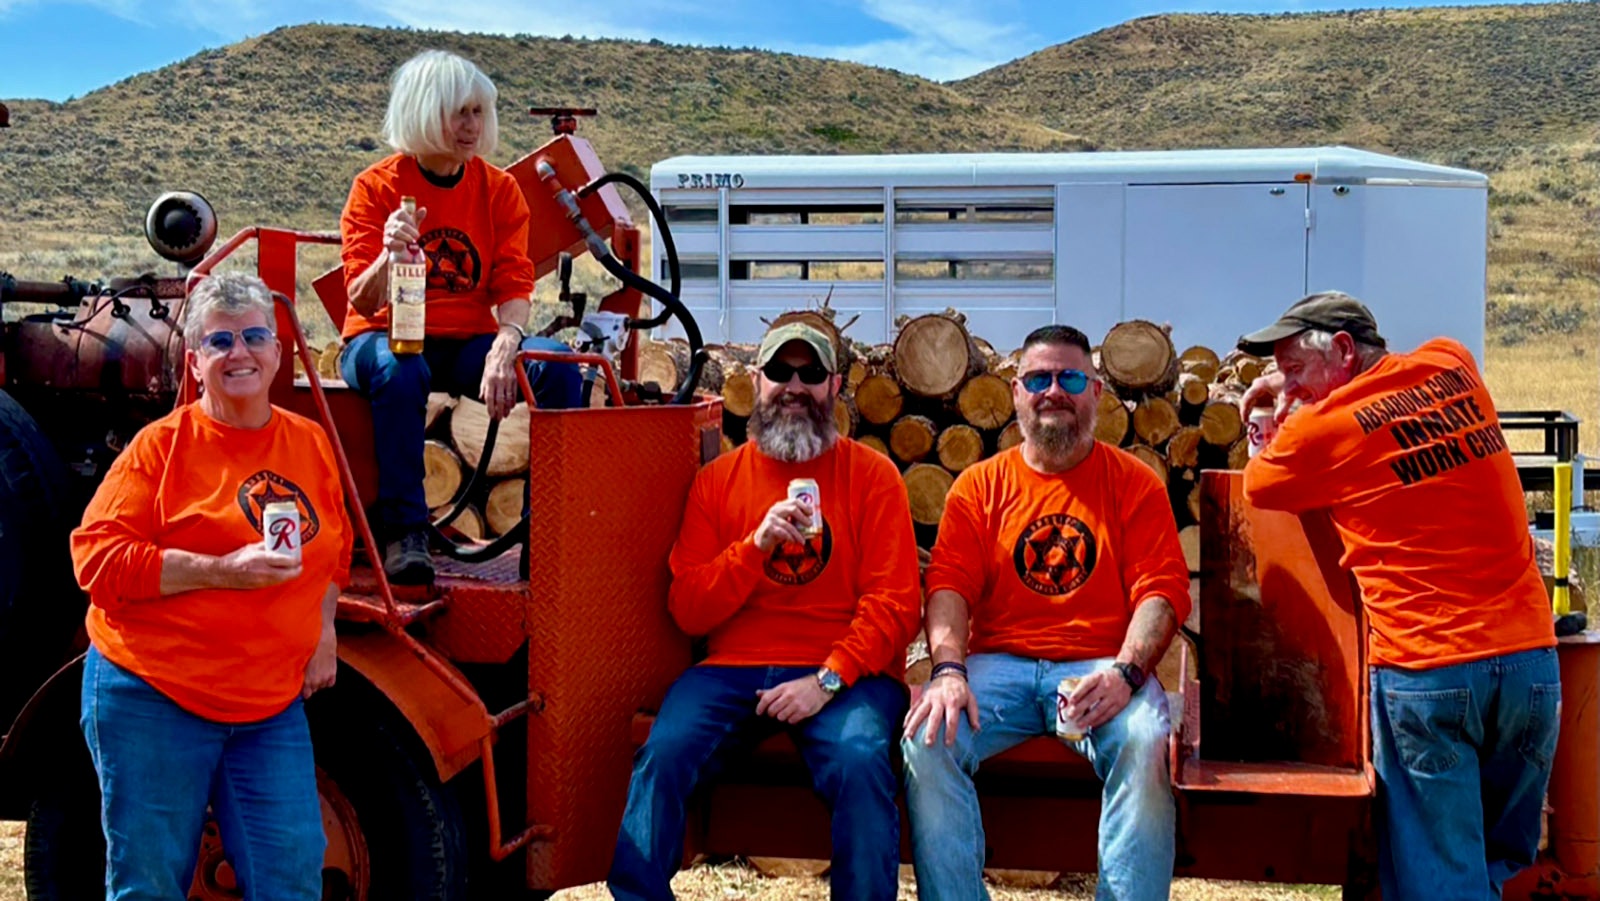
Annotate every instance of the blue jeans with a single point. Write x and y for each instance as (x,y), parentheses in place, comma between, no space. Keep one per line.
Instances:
(1016,702)
(709,716)
(159,765)
(1463,757)
(398,388)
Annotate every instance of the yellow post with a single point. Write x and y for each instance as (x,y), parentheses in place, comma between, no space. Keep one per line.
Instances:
(1561,599)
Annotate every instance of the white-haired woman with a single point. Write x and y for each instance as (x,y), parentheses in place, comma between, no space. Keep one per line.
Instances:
(471,224)
(205,636)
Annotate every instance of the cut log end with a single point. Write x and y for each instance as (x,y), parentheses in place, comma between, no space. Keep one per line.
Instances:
(441,473)
(1010,436)
(934,354)
(960,446)
(985,401)
(911,438)
(1138,357)
(1155,420)
(879,399)
(927,485)
(1111,419)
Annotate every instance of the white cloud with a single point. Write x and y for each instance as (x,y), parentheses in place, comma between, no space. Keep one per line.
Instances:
(540,17)
(957,41)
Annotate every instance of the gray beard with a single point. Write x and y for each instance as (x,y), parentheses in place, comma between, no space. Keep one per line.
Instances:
(793,439)
(1053,440)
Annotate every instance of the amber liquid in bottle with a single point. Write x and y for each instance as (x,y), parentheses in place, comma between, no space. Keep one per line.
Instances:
(408,285)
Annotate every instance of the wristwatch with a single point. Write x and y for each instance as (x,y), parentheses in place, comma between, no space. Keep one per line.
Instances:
(1132,673)
(830,681)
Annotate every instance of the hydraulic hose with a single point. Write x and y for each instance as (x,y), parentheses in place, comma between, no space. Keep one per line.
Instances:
(657,216)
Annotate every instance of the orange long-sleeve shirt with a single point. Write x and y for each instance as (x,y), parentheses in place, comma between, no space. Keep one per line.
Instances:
(191,483)
(848,600)
(474,235)
(1052,566)
(1409,460)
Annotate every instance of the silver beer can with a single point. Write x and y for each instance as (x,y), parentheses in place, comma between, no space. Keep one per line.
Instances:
(1262,426)
(280,529)
(1067,728)
(805,491)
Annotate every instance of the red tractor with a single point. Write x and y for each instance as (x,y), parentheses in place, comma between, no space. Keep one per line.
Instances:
(480,736)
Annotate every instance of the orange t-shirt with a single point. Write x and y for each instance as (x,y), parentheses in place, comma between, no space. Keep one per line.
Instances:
(1052,566)
(1410,461)
(848,599)
(189,482)
(474,235)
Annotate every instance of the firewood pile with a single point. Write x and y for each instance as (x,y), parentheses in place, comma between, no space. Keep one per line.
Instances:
(938,399)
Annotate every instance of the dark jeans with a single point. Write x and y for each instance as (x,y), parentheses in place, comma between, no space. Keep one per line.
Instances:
(398,387)
(1463,756)
(708,716)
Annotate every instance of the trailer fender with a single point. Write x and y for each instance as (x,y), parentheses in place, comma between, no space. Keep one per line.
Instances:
(452,727)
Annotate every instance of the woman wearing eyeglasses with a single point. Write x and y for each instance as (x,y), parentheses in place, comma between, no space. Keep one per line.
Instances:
(207,634)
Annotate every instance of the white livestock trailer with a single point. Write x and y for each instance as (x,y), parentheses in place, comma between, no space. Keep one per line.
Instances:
(1214,242)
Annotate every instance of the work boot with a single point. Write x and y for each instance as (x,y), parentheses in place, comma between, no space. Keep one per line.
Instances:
(407,561)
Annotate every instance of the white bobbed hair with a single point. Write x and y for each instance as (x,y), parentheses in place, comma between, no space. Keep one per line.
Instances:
(425,91)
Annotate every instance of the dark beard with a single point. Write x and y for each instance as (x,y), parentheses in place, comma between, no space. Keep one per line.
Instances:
(1051,439)
(793,439)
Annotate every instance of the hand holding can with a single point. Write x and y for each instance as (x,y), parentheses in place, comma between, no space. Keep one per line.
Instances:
(1263,425)
(805,491)
(280,529)
(1067,728)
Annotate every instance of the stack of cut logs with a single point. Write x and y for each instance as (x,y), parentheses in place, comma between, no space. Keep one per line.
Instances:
(935,401)
(938,400)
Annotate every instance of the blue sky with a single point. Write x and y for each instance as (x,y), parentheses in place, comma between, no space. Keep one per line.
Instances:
(55,50)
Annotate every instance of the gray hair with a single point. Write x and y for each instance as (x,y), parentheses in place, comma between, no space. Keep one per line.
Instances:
(1320,342)
(226,293)
(425,91)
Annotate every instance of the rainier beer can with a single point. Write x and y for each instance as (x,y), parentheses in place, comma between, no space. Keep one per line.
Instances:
(1066,727)
(1262,426)
(805,491)
(280,529)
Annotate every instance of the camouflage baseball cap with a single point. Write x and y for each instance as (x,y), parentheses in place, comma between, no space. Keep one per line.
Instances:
(798,331)
(1326,311)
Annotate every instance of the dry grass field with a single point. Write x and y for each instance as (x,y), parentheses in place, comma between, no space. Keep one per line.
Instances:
(739,882)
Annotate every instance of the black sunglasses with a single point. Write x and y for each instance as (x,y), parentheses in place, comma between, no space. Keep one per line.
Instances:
(256,337)
(1072,381)
(779,373)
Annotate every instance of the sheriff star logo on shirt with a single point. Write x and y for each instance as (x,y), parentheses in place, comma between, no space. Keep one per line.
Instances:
(267,487)
(1054,554)
(796,564)
(453,263)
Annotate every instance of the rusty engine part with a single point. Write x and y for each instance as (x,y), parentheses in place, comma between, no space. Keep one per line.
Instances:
(105,348)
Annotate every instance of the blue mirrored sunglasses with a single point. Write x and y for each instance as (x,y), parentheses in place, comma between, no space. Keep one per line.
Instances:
(1072,381)
(256,337)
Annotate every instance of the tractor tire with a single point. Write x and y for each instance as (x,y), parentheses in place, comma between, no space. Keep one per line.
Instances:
(64,851)
(394,817)
(411,824)
(40,605)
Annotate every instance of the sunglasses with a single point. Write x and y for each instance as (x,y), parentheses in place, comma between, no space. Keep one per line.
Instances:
(256,337)
(779,373)
(1072,381)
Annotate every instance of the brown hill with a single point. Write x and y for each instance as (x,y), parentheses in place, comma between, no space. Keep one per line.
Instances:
(273,128)
(1410,81)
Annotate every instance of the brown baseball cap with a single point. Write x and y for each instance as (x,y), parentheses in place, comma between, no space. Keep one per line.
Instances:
(798,331)
(1325,311)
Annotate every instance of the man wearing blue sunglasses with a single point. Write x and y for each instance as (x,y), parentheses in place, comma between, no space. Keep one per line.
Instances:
(1056,560)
